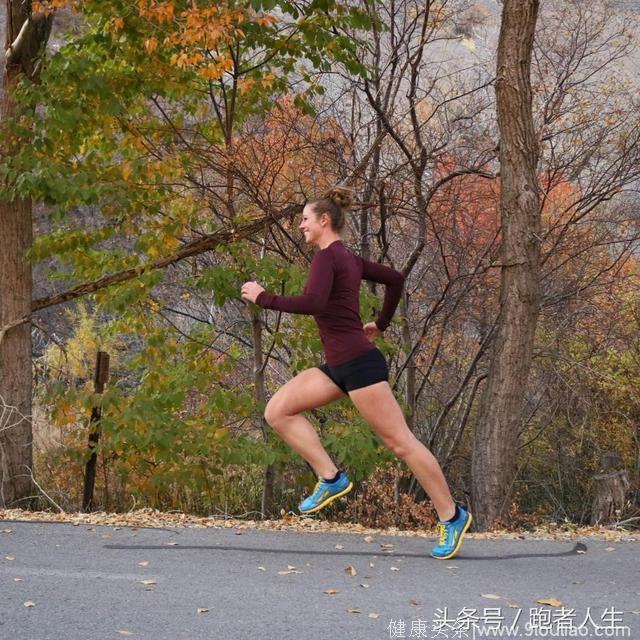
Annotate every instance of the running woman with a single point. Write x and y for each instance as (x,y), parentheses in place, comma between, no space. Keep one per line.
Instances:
(354,367)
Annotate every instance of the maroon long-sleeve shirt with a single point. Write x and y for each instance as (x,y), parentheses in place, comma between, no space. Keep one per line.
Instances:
(331,296)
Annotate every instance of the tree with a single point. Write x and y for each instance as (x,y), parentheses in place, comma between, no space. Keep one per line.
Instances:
(496,436)
(26,35)
(143,111)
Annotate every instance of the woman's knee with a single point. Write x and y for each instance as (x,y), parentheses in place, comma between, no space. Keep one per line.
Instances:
(274,413)
(400,445)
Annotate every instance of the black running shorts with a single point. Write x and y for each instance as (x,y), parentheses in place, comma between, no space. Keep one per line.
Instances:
(365,370)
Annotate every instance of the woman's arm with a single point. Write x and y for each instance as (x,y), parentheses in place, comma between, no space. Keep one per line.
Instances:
(317,290)
(394,282)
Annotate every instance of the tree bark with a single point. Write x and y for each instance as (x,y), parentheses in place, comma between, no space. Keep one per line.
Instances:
(25,37)
(496,436)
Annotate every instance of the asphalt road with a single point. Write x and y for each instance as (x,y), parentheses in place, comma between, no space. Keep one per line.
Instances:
(95,583)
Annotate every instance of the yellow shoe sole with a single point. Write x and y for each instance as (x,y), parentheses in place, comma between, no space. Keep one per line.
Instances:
(322,505)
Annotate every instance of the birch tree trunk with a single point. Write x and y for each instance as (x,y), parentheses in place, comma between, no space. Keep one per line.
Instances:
(496,436)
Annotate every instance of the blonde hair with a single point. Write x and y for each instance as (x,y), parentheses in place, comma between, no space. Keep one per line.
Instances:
(336,201)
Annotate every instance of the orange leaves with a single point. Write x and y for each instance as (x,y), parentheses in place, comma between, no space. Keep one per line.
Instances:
(50,6)
(286,151)
(151,44)
(161,12)
(215,70)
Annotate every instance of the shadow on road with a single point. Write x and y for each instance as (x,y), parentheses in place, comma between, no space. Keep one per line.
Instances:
(578,548)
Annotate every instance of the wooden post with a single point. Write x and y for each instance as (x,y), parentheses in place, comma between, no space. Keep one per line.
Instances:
(99,380)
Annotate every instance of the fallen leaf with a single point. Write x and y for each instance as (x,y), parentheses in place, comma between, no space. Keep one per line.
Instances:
(7,531)
(350,569)
(124,632)
(17,579)
(491,596)
(364,585)
(105,536)
(552,602)
(354,611)
(202,610)
(284,573)
(171,544)
(339,546)
(144,563)
(261,569)
(290,567)
(414,602)
(386,547)
(368,538)
(330,592)
(371,564)
(28,604)
(374,615)
(395,569)
(610,549)
(9,558)
(452,566)
(147,582)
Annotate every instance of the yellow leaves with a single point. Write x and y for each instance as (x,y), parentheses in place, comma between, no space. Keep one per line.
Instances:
(267,80)
(126,170)
(552,602)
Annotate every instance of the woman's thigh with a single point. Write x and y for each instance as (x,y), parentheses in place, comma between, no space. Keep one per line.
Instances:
(378,406)
(308,390)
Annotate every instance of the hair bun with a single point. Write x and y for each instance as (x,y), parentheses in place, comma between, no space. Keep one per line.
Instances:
(342,196)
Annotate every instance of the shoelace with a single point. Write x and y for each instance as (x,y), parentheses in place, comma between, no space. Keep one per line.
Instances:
(442,532)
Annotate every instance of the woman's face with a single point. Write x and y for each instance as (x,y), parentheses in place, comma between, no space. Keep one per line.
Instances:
(312,226)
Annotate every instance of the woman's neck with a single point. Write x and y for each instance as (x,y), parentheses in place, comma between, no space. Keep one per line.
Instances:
(324,242)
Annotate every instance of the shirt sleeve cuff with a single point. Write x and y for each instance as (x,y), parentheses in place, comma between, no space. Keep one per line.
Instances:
(381,325)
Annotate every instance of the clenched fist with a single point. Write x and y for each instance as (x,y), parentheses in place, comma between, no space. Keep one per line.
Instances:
(250,291)
(371,330)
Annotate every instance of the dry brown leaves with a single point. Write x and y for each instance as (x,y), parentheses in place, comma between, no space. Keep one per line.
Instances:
(151,518)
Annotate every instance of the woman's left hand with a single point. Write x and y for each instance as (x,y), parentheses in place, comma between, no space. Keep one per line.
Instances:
(371,330)
(250,291)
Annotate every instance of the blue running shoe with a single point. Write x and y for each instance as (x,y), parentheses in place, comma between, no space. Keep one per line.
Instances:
(451,535)
(325,493)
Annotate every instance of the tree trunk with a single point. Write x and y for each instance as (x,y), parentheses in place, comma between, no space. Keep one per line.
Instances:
(24,39)
(261,396)
(496,437)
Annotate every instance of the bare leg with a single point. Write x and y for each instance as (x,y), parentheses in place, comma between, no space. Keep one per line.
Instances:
(378,406)
(308,390)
